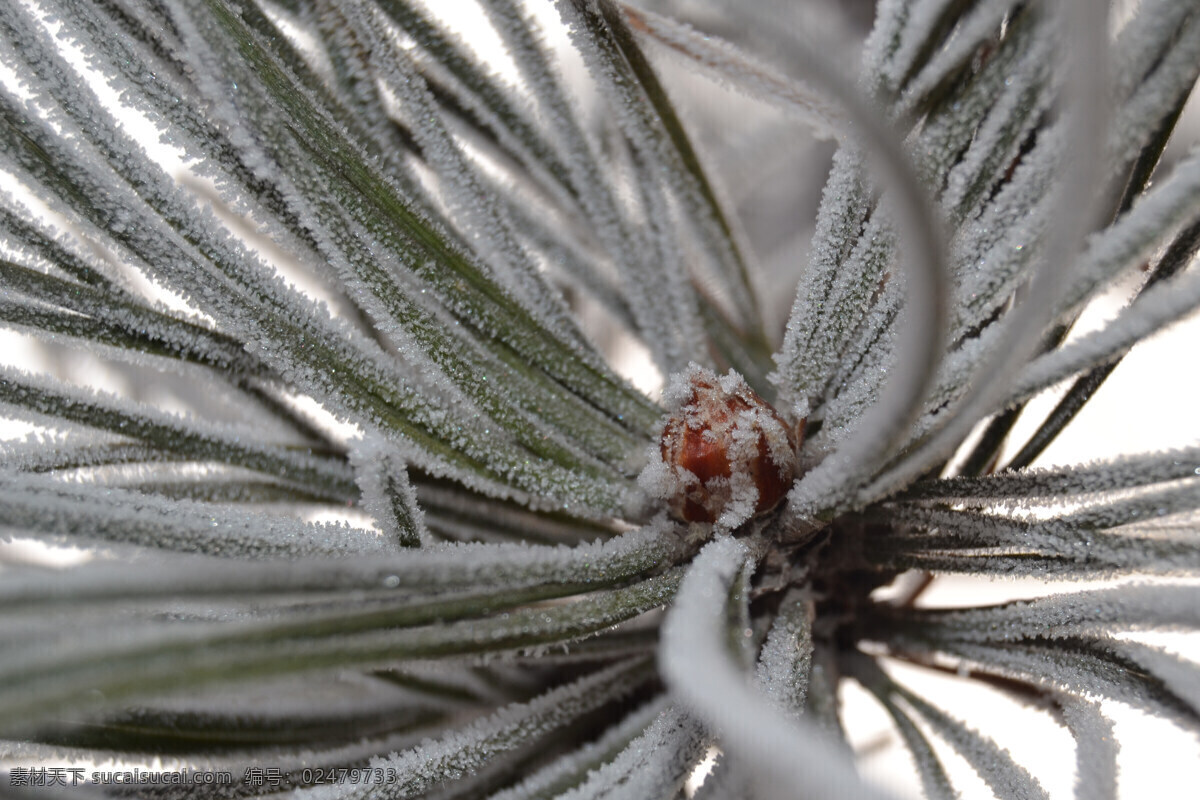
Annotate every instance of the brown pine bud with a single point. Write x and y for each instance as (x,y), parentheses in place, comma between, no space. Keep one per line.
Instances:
(726,455)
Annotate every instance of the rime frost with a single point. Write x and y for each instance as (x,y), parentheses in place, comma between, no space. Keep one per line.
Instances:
(358,273)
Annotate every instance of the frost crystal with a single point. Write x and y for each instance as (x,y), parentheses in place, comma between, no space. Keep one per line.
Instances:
(329,376)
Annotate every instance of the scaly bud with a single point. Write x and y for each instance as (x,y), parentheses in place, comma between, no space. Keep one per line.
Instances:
(725,456)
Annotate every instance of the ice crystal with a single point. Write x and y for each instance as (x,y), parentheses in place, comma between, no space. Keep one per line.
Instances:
(322,321)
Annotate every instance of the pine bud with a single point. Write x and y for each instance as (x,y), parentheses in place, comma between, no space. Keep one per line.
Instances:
(725,456)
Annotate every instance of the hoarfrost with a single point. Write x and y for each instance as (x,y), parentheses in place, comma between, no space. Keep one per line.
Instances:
(1096,749)
(654,764)
(387,494)
(994,764)
(572,768)
(466,750)
(750,727)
